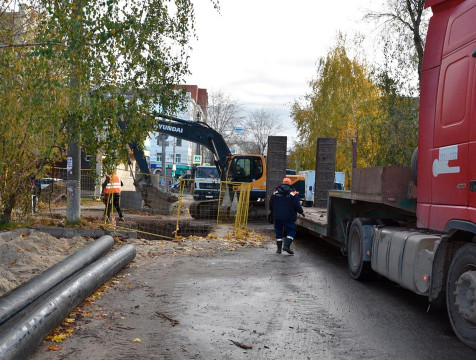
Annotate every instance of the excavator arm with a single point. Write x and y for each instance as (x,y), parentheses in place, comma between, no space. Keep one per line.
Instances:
(197,132)
(159,201)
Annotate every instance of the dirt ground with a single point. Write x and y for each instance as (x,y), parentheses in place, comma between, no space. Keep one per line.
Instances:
(26,252)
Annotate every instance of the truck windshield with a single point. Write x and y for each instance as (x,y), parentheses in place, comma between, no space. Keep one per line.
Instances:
(207,173)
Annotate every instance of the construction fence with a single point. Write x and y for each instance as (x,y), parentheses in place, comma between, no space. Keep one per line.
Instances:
(155,206)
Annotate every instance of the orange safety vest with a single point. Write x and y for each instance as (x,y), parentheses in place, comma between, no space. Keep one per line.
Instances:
(113,186)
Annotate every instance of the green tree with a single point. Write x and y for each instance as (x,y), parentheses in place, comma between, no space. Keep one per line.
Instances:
(31,110)
(109,60)
(398,130)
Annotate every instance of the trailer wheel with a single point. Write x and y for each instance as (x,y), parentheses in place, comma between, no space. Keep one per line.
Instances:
(461,294)
(358,268)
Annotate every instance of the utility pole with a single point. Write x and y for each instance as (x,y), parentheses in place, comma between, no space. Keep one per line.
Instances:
(73,166)
(163,137)
(198,145)
(173,157)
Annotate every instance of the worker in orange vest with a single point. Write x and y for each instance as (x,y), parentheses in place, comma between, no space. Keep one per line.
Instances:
(111,194)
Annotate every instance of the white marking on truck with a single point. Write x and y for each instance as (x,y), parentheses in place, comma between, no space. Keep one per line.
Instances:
(440,165)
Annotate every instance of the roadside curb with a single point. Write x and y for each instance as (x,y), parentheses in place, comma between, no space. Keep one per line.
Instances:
(92,233)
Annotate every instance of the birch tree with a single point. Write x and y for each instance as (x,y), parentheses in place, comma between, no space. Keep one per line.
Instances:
(342,103)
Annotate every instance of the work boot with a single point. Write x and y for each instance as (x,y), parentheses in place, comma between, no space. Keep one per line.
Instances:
(279,243)
(287,245)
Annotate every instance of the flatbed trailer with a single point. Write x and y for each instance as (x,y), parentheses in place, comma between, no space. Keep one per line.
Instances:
(375,226)
(379,192)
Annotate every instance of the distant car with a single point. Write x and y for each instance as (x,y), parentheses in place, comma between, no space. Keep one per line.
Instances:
(45,182)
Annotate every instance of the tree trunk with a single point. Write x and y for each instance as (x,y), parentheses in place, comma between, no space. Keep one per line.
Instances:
(6,216)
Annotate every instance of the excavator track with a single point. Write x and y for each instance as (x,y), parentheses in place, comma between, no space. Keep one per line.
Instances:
(207,209)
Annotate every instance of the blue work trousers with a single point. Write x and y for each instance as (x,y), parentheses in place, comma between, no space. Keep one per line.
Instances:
(280,225)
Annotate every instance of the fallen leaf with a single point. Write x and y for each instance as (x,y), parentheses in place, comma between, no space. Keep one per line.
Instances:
(243,346)
(53,348)
(20,250)
(58,338)
(137,340)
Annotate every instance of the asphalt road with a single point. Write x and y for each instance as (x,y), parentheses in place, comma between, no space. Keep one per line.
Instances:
(284,307)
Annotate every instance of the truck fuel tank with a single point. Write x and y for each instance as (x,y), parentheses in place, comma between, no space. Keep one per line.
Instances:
(404,256)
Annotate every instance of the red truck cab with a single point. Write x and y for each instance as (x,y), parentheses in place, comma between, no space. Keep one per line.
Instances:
(447,134)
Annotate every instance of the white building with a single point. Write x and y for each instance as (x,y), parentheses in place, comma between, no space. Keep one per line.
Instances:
(179,153)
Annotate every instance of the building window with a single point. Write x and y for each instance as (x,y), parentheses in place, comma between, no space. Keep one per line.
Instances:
(177,158)
(159,157)
(178,142)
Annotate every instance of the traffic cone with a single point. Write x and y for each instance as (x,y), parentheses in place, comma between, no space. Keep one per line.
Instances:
(226,199)
(234,204)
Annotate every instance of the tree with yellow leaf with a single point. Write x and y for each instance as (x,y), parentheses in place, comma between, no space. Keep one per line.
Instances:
(375,125)
(343,103)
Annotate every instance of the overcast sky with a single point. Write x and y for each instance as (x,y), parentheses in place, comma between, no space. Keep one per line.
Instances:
(263,52)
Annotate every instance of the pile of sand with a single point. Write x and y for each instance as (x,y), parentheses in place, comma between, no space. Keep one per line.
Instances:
(26,253)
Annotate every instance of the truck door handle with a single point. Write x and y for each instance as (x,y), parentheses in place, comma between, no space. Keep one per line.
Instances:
(474,53)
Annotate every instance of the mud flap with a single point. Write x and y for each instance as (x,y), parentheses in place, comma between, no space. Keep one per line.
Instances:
(367,241)
(441,264)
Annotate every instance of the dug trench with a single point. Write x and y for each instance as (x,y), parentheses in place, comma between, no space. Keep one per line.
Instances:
(151,229)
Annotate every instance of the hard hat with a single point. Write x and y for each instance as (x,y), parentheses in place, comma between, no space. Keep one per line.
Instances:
(287,181)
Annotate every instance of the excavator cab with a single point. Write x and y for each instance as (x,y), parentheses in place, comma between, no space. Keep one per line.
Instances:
(246,169)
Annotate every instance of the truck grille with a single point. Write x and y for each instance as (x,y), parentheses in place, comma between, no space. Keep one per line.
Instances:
(209,186)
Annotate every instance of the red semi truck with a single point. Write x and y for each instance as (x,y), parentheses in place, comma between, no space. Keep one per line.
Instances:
(419,230)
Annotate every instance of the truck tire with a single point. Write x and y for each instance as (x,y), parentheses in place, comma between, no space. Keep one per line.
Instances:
(461,294)
(358,268)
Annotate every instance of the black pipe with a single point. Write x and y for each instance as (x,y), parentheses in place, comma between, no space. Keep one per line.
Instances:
(22,334)
(14,301)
